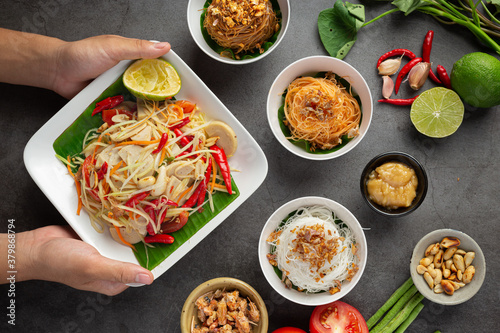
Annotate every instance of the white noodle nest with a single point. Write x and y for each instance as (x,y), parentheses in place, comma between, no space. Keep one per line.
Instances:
(300,272)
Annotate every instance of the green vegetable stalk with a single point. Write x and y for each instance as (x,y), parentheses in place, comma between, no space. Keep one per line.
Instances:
(338,26)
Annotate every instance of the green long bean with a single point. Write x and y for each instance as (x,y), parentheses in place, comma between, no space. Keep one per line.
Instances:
(403,314)
(410,318)
(395,310)
(390,302)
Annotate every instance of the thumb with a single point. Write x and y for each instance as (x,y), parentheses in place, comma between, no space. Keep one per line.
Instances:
(126,273)
(121,48)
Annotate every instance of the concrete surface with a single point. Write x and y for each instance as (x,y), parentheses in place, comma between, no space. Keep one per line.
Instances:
(463,172)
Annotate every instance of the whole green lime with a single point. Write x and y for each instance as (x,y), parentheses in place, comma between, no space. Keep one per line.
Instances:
(476,79)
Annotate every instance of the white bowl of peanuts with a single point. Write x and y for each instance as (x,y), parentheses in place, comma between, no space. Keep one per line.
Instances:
(447,267)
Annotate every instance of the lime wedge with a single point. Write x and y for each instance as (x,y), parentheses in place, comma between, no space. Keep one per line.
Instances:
(153,79)
(437,112)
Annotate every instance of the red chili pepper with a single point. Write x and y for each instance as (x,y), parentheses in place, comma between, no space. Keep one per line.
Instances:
(179,125)
(107,103)
(399,101)
(163,142)
(184,141)
(136,199)
(204,184)
(402,73)
(221,159)
(160,238)
(426,53)
(443,75)
(396,52)
(102,171)
(193,199)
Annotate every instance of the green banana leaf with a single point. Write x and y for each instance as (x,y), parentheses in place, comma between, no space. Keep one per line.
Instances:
(246,55)
(306,145)
(70,142)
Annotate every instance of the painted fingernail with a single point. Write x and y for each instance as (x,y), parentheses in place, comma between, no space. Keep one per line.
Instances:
(160,45)
(143,278)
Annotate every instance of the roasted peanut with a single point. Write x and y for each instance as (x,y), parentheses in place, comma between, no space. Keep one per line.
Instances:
(438,259)
(430,281)
(425,262)
(459,263)
(421,269)
(447,287)
(438,277)
(461,252)
(469,274)
(446,273)
(459,275)
(449,252)
(432,249)
(448,263)
(468,258)
(453,268)
(449,242)
(452,277)
(432,272)
(438,289)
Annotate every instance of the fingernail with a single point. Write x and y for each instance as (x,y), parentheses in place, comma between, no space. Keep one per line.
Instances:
(143,278)
(160,45)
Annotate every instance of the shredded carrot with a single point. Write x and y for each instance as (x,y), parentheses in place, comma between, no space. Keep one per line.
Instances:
(121,238)
(78,188)
(145,143)
(115,168)
(220,186)
(214,175)
(184,193)
(163,152)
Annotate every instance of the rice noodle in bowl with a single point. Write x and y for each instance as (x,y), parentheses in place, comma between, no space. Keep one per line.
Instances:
(314,250)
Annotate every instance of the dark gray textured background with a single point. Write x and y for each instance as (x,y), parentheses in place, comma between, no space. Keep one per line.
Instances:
(463,172)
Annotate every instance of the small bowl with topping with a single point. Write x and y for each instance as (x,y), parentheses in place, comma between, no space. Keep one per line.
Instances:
(319,108)
(447,267)
(238,32)
(394,184)
(312,251)
(232,301)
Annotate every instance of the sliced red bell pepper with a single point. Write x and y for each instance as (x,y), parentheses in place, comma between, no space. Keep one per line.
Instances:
(160,238)
(220,157)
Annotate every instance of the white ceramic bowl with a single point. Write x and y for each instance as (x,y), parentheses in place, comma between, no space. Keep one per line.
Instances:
(194,11)
(312,66)
(264,248)
(467,244)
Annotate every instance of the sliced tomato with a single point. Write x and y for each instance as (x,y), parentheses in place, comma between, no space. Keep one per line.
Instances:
(289,330)
(186,106)
(87,167)
(337,317)
(177,224)
(107,115)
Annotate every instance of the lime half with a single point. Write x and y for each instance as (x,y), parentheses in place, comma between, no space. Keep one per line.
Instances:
(437,112)
(153,79)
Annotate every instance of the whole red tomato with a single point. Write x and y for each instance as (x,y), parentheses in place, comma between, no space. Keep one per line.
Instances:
(289,330)
(337,317)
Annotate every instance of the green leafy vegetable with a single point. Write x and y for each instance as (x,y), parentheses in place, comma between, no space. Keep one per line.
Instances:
(244,55)
(338,27)
(69,143)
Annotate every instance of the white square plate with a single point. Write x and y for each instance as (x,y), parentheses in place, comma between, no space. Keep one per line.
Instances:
(53,179)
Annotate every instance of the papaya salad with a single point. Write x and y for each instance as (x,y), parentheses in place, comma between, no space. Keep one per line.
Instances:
(149,166)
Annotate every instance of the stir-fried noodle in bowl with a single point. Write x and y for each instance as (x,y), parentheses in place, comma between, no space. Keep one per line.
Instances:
(321,111)
(314,250)
(241,25)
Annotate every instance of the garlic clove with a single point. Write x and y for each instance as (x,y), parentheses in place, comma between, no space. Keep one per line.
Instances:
(418,75)
(388,87)
(389,66)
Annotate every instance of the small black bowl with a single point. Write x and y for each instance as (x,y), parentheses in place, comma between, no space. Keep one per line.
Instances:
(395,157)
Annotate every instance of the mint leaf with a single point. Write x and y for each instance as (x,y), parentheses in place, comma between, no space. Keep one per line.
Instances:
(338,27)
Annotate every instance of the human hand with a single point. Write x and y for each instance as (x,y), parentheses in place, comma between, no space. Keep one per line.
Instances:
(77,63)
(55,253)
